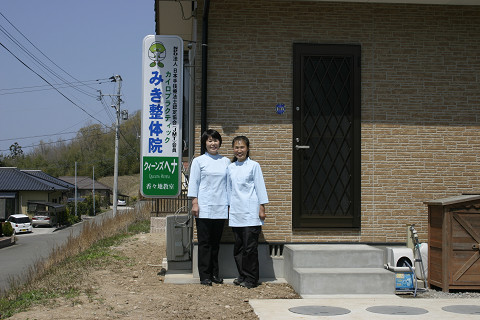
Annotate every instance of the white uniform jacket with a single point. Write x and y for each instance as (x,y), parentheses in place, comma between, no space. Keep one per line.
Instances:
(246,191)
(208,183)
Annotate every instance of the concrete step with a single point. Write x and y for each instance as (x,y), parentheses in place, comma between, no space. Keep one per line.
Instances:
(315,269)
(316,281)
(333,256)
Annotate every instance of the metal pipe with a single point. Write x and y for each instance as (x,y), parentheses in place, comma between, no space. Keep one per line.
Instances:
(203,113)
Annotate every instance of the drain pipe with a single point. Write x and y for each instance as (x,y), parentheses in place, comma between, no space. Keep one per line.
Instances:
(203,113)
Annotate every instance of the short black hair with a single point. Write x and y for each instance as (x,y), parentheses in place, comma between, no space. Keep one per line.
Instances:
(207,134)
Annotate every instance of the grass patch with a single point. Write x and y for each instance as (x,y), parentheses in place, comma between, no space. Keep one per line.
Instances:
(22,301)
(65,273)
(100,249)
(140,227)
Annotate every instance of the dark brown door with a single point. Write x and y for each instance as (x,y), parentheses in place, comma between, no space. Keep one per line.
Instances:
(326,136)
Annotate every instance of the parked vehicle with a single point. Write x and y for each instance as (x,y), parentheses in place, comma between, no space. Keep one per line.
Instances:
(121,203)
(47,213)
(44,218)
(20,223)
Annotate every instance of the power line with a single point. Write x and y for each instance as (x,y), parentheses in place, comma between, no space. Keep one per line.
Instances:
(38,60)
(107,108)
(47,87)
(45,143)
(56,87)
(50,142)
(75,104)
(51,74)
(128,144)
(53,134)
(44,135)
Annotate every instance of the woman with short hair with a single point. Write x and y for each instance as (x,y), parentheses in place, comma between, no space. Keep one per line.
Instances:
(208,189)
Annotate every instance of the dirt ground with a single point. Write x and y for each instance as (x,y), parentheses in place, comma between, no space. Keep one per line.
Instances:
(133,289)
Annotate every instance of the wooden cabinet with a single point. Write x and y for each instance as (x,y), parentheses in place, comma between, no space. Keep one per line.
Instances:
(453,242)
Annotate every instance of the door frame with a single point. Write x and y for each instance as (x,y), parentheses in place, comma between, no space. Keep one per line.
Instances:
(301,50)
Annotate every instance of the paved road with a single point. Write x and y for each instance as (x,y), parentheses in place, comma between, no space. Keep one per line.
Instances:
(17,260)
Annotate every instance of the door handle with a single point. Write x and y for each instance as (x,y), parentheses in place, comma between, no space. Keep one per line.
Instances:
(301,147)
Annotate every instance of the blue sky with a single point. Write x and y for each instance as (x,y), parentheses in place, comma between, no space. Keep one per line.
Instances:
(84,41)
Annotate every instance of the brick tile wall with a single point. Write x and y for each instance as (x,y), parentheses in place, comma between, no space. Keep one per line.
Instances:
(420,102)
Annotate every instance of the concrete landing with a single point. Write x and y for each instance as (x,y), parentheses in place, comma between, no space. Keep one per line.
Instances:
(368,307)
(179,277)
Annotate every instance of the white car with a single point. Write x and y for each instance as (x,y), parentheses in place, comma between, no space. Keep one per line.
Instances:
(121,203)
(44,218)
(20,223)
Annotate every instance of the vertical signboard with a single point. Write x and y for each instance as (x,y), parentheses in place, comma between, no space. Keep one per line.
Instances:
(161,142)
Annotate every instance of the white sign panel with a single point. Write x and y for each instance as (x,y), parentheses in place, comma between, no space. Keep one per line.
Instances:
(161,142)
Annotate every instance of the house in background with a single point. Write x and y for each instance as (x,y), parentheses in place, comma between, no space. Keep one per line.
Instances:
(86,186)
(19,187)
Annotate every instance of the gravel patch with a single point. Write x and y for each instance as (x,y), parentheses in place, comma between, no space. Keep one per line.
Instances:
(437,293)
(453,294)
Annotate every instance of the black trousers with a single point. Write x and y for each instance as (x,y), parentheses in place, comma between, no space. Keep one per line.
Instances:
(245,252)
(209,233)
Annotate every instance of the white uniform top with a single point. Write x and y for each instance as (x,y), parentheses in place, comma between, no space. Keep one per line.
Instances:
(208,183)
(246,191)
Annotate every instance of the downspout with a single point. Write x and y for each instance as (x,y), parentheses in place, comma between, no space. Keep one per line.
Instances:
(203,113)
(157,23)
(192,60)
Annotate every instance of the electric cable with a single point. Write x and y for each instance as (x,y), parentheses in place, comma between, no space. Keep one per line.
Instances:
(36,60)
(41,63)
(44,87)
(41,77)
(38,136)
(47,143)
(53,134)
(183,12)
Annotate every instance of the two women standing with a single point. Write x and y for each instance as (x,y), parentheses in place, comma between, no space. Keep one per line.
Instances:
(216,185)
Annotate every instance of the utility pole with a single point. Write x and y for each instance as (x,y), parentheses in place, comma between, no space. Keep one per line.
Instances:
(117,79)
(124,114)
(93,190)
(75,188)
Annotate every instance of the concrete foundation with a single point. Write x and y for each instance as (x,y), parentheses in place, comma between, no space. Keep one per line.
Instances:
(271,266)
(158,224)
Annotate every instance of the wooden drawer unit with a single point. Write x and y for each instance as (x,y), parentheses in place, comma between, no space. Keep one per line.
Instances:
(453,242)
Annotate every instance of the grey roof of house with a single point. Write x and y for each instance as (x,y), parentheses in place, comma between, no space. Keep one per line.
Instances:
(85,183)
(42,175)
(13,179)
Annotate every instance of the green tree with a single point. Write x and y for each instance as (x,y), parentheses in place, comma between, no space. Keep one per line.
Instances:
(93,146)
(129,162)
(16,151)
